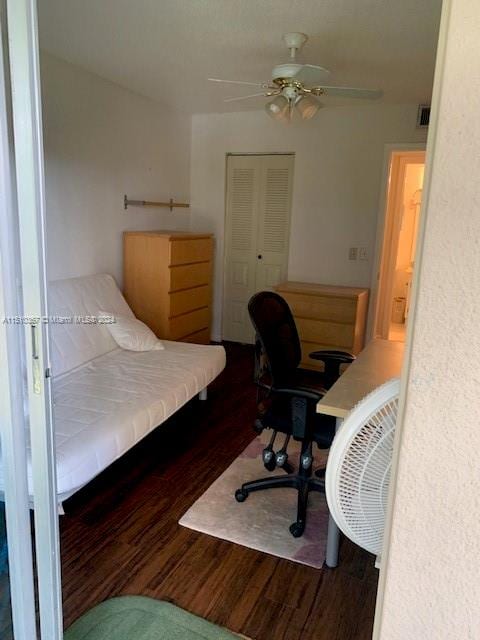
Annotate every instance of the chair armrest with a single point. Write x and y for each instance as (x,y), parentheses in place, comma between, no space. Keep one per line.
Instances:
(339,357)
(332,360)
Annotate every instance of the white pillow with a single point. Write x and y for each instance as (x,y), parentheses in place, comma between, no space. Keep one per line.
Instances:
(130,333)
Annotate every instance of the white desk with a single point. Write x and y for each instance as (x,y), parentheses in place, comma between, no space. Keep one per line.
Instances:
(377,363)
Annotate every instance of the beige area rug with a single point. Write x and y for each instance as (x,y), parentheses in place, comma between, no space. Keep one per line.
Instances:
(262,521)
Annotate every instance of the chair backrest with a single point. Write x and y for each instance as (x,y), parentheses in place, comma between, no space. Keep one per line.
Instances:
(276,330)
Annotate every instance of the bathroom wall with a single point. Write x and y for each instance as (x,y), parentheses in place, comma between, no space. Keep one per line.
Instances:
(406,241)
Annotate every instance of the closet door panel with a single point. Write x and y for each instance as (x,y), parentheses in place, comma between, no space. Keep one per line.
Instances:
(274,221)
(243,183)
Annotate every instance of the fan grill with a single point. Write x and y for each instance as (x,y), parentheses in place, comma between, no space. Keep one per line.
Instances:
(361,465)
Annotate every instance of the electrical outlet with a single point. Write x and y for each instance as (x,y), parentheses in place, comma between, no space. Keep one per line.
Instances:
(362,253)
(352,253)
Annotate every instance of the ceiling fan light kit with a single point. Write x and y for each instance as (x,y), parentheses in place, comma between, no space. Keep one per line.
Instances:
(293,86)
(278,108)
(307,106)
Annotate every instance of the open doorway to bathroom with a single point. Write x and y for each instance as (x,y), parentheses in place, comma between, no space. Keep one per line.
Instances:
(397,262)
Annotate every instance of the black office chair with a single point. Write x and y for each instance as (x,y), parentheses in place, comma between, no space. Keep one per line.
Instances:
(287,400)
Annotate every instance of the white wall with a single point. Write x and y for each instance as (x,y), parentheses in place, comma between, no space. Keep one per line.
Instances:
(431,573)
(102,141)
(338,168)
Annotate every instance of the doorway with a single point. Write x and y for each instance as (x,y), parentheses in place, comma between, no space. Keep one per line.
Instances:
(397,256)
(257,231)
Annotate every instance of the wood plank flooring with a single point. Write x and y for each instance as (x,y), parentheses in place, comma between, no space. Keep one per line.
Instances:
(121,534)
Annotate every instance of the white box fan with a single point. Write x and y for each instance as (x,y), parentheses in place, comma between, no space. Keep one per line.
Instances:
(358,470)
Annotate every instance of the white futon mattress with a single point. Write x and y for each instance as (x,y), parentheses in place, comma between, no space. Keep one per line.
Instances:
(106,399)
(107,405)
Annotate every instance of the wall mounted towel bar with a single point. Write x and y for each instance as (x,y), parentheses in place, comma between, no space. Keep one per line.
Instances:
(146,203)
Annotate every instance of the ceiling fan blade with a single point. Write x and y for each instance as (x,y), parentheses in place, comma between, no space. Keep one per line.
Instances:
(253,84)
(253,95)
(347,92)
(311,74)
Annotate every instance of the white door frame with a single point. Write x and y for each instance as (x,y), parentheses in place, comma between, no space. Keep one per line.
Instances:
(425,212)
(374,319)
(30,182)
(12,421)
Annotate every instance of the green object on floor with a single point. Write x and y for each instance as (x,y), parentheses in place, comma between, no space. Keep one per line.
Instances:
(139,618)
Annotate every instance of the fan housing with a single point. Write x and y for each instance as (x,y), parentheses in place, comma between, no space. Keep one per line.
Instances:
(295,87)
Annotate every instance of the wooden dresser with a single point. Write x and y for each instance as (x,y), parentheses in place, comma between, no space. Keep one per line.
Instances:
(327,317)
(167,282)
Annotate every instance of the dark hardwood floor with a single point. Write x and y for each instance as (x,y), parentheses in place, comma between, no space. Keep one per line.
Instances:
(120,534)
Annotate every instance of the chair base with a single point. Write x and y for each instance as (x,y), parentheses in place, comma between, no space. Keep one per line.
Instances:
(301,482)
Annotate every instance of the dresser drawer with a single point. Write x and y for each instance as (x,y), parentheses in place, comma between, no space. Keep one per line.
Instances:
(199,337)
(189,275)
(189,323)
(189,251)
(322,307)
(189,300)
(326,333)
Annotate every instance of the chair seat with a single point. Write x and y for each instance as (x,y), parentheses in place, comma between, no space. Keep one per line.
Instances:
(278,417)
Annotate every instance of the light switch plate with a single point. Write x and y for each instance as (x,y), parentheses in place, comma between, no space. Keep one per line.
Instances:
(362,253)
(352,253)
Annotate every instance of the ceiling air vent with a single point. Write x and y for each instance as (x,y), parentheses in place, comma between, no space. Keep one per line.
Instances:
(423,116)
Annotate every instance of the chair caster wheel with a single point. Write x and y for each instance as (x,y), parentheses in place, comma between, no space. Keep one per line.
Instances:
(297,529)
(267,455)
(258,427)
(241,495)
(270,464)
(306,461)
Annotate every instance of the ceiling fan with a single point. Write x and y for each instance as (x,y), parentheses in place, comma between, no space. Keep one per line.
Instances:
(296,86)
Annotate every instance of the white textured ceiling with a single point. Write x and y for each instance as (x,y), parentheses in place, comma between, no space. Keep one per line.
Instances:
(166,49)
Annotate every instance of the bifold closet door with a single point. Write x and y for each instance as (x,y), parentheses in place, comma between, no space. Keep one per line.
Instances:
(257,229)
